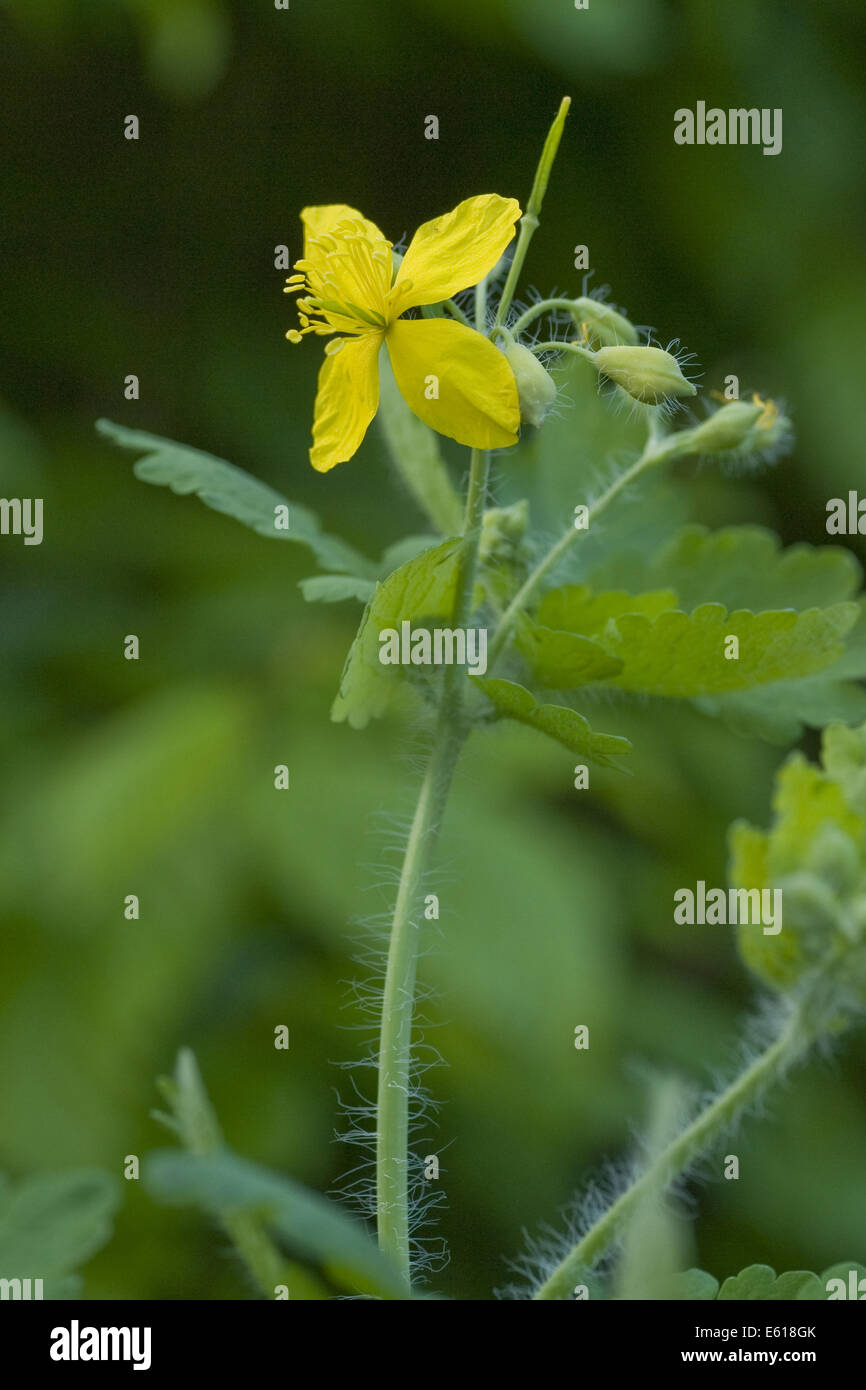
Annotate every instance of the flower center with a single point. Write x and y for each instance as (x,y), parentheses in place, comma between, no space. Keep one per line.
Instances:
(343,282)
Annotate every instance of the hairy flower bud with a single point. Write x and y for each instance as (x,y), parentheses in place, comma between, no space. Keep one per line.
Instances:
(502,530)
(536,389)
(728,428)
(648,374)
(815,855)
(602,323)
(742,428)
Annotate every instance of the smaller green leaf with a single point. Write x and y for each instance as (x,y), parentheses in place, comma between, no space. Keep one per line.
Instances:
(309,1225)
(575,608)
(779,712)
(402,551)
(683,655)
(194,1121)
(563,660)
(51,1224)
(426,587)
(569,728)
(743,567)
(230,490)
(333,588)
(758,1283)
(193,1118)
(693,1285)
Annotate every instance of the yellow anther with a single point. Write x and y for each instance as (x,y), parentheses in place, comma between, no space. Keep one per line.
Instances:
(770,410)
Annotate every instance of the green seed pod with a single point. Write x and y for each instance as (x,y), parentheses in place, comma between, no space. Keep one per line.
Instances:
(603,324)
(536,389)
(648,374)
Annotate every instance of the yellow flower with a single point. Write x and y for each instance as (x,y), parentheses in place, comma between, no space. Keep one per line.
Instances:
(450,376)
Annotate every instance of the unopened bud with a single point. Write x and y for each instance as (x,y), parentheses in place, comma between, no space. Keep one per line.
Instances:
(728,428)
(536,388)
(502,530)
(602,324)
(648,374)
(742,428)
(834,856)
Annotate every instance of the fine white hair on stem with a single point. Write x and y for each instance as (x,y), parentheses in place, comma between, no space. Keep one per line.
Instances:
(545,1250)
(362,1010)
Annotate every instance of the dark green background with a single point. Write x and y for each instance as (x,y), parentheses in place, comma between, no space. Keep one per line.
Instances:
(155,777)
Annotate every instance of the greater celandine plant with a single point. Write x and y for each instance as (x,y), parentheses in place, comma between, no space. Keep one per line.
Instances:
(433,343)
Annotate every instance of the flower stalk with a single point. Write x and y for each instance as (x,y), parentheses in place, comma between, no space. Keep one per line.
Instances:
(790,1045)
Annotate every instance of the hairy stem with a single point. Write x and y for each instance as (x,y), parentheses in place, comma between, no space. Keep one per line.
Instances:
(535,311)
(655,452)
(792,1042)
(481,305)
(456,312)
(395,1041)
(554,346)
(258,1252)
(195,1122)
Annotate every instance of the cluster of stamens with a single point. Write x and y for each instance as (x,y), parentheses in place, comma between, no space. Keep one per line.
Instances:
(769,415)
(344,283)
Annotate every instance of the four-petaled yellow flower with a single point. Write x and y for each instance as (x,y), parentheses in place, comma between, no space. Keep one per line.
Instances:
(450,375)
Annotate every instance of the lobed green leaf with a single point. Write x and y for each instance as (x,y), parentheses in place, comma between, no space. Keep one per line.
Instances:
(308,1224)
(425,587)
(230,490)
(758,1283)
(682,655)
(569,728)
(52,1223)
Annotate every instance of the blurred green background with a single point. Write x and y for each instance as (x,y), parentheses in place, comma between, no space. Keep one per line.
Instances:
(154,777)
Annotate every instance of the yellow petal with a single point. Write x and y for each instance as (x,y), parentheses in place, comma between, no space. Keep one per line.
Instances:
(474,394)
(324,218)
(455,251)
(347,399)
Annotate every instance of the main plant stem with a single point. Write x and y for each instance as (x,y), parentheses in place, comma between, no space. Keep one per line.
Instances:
(694,1141)
(398,1002)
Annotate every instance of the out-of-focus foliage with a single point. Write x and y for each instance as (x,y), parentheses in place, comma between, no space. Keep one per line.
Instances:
(51,1224)
(155,777)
